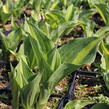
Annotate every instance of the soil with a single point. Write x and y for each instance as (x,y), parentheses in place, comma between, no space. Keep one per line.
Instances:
(84,89)
(60,90)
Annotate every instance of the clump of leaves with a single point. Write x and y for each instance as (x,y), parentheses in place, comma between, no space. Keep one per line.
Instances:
(32,90)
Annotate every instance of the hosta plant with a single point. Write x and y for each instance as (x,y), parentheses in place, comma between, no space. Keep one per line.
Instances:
(104,52)
(31,89)
(12,8)
(105,61)
(77,104)
(80,104)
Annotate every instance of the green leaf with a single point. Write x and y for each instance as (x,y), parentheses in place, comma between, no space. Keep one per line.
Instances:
(41,59)
(6,7)
(54,5)
(44,43)
(60,73)
(11,42)
(30,92)
(105,55)
(65,28)
(105,74)
(88,26)
(54,18)
(79,51)
(22,73)
(46,90)
(101,106)
(105,62)
(104,12)
(102,31)
(54,59)
(69,13)
(37,5)
(4,17)
(87,13)
(51,4)
(26,50)
(15,89)
(77,104)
